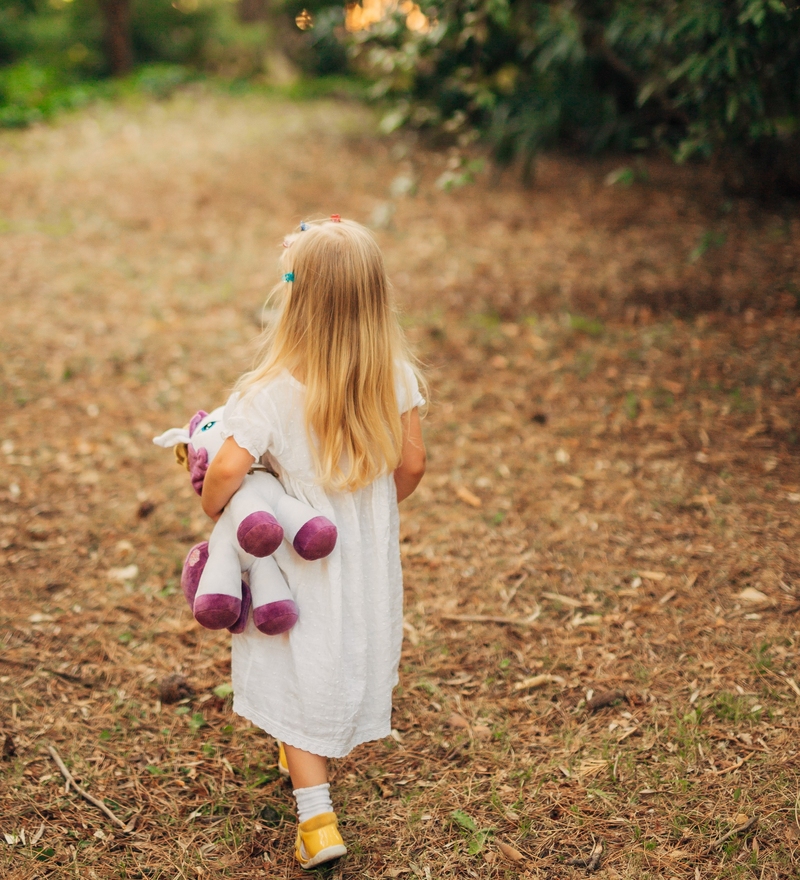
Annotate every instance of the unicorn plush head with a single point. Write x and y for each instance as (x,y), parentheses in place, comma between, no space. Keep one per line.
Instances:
(196,444)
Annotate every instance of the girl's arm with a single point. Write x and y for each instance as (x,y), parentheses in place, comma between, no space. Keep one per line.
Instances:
(225,474)
(412,464)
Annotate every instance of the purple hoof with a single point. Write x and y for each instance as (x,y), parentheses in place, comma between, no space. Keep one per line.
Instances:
(276,617)
(316,538)
(241,623)
(217,610)
(259,534)
(192,570)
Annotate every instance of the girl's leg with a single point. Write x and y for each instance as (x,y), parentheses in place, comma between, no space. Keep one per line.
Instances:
(318,838)
(306,769)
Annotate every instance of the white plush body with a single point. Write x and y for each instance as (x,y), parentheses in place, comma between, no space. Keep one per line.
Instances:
(227,561)
(253,524)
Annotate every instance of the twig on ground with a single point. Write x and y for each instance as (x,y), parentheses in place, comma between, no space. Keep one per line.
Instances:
(732,767)
(592,861)
(737,829)
(76,679)
(85,794)
(490,618)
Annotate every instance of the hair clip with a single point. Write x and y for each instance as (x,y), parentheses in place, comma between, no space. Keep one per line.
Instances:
(304,226)
(288,276)
(335,218)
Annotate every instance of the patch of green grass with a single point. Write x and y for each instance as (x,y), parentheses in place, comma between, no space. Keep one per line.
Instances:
(31,92)
(662,399)
(739,403)
(708,240)
(731,707)
(588,326)
(487,321)
(475,837)
(762,660)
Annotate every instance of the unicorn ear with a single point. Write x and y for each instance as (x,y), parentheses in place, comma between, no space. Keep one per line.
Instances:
(172,437)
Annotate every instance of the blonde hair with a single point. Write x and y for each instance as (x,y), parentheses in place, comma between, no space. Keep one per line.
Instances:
(337,332)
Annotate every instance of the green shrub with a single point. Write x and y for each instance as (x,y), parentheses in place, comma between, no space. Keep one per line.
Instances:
(698,77)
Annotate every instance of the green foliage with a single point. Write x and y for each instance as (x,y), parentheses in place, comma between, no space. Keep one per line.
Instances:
(695,76)
(476,837)
(68,34)
(52,54)
(31,93)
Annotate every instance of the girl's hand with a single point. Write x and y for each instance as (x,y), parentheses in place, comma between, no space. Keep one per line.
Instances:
(412,466)
(225,474)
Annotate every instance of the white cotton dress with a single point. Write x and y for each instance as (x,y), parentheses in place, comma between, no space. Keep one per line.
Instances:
(326,685)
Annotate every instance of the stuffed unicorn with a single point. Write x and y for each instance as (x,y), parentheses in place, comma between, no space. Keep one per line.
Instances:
(251,528)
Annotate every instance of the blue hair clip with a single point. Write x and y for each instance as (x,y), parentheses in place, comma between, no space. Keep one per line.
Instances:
(288,276)
(304,226)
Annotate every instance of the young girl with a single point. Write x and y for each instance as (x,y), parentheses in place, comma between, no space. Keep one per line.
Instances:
(333,409)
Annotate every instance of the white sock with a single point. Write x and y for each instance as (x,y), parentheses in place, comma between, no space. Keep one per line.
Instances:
(313,801)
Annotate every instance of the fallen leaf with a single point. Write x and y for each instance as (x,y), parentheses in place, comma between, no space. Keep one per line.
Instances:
(793,685)
(757,428)
(751,594)
(586,620)
(538,681)
(468,497)
(128,573)
(510,852)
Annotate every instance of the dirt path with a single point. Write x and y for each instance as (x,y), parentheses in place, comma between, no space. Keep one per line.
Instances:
(602,565)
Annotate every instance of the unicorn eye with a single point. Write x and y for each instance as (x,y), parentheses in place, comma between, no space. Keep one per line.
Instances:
(207,426)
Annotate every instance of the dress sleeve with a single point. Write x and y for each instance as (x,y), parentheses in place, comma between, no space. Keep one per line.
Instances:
(407,388)
(252,422)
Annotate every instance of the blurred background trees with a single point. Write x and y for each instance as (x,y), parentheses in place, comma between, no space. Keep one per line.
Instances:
(708,79)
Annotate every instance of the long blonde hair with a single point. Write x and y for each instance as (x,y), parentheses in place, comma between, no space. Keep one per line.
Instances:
(337,332)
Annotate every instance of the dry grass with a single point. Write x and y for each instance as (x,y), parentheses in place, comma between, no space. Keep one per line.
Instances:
(602,565)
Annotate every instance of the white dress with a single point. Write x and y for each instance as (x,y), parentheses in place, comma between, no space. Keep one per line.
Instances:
(326,685)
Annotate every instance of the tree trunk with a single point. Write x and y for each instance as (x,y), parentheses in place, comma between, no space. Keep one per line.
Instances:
(117,34)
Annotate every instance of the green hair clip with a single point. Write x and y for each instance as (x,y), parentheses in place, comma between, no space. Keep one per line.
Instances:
(288,276)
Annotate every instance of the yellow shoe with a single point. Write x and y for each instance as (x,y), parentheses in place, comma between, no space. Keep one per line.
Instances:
(318,841)
(283,764)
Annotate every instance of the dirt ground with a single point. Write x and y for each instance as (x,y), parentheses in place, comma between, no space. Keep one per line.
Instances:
(602,565)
